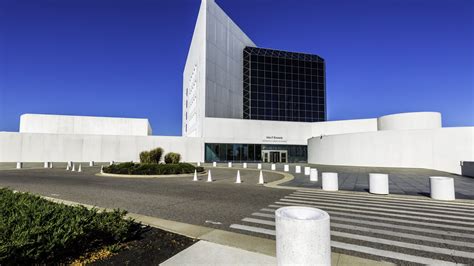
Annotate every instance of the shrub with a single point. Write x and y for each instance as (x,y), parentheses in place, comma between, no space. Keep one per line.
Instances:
(145,157)
(36,231)
(155,155)
(172,157)
(152,169)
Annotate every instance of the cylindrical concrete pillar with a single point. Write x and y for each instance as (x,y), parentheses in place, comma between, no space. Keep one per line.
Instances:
(91,163)
(259,166)
(303,236)
(307,170)
(245,165)
(214,164)
(229,164)
(442,188)
(19,165)
(298,169)
(330,181)
(273,166)
(46,165)
(378,183)
(313,175)
(198,163)
(50,165)
(286,168)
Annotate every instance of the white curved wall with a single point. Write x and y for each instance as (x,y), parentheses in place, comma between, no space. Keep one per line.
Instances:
(402,121)
(440,149)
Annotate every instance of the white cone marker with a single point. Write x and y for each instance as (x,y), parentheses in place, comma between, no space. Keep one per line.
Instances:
(111,162)
(80,168)
(260,178)
(73,167)
(51,165)
(101,169)
(195,178)
(68,168)
(198,163)
(209,176)
(237,180)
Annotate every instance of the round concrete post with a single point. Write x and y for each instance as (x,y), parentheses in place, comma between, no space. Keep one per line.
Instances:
(442,188)
(198,163)
(244,165)
(330,181)
(307,170)
(46,165)
(259,166)
(19,165)
(50,165)
(229,164)
(214,164)
(209,176)
(273,166)
(297,169)
(378,183)
(101,169)
(303,236)
(286,168)
(313,175)
(91,163)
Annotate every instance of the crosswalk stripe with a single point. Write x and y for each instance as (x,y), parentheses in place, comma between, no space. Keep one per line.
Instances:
(377,207)
(361,195)
(386,203)
(258,221)
(358,248)
(368,210)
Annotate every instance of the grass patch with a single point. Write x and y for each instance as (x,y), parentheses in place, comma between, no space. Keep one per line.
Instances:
(36,231)
(151,169)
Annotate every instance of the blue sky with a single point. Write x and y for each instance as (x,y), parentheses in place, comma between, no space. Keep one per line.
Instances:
(125,58)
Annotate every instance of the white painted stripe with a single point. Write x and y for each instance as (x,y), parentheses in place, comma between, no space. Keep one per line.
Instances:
(420,211)
(259,221)
(382,211)
(450,252)
(389,254)
(381,202)
(358,248)
(391,197)
(377,216)
(263,215)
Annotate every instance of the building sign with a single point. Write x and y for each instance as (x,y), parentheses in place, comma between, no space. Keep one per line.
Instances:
(274,139)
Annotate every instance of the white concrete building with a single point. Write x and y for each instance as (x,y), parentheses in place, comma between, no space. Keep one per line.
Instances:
(247,104)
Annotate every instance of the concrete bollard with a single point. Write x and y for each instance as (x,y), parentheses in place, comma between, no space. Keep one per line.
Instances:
(303,236)
(244,165)
(50,164)
(378,183)
(298,169)
(214,164)
(69,163)
(330,181)
(273,167)
(198,163)
(91,163)
(209,176)
(229,164)
(19,165)
(46,165)
(313,175)
(111,162)
(307,170)
(237,179)
(286,168)
(79,169)
(195,178)
(259,166)
(68,168)
(260,178)
(442,188)
(101,169)
(73,168)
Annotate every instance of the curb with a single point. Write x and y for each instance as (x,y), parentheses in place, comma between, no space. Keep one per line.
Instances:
(148,176)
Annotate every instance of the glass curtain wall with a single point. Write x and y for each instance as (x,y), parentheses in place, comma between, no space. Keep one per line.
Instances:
(223,152)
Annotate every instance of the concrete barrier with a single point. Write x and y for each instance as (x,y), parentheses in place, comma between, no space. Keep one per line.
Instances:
(307,170)
(297,169)
(313,175)
(303,236)
(286,168)
(378,183)
(442,188)
(330,181)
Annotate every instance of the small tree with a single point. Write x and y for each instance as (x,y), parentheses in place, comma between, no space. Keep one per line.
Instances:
(145,157)
(172,158)
(155,155)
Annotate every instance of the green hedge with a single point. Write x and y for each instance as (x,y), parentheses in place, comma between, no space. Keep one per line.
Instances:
(34,230)
(172,158)
(151,169)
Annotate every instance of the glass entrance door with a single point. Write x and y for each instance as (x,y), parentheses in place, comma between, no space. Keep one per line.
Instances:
(275,156)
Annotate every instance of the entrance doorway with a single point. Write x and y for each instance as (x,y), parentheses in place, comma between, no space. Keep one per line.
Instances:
(275,156)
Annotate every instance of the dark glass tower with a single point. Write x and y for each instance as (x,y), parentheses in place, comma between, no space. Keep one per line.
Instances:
(283,86)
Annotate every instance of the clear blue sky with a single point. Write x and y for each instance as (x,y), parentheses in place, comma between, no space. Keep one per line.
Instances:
(125,58)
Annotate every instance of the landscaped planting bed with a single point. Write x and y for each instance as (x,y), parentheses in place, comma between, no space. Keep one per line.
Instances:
(151,169)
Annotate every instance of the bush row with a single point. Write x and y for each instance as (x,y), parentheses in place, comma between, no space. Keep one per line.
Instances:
(151,169)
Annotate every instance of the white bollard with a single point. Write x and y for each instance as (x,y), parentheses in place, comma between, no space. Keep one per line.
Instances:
(195,178)
(229,164)
(214,164)
(91,163)
(73,168)
(111,162)
(307,170)
(245,165)
(50,164)
(273,167)
(259,166)
(330,181)
(19,165)
(69,163)
(46,165)
(260,178)
(303,236)
(442,188)
(80,168)
(198,163)
(237,179)
(297,169)
(68,168)
(101,169)
(378,183)
(313,175)
(286,168)
(209,176)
